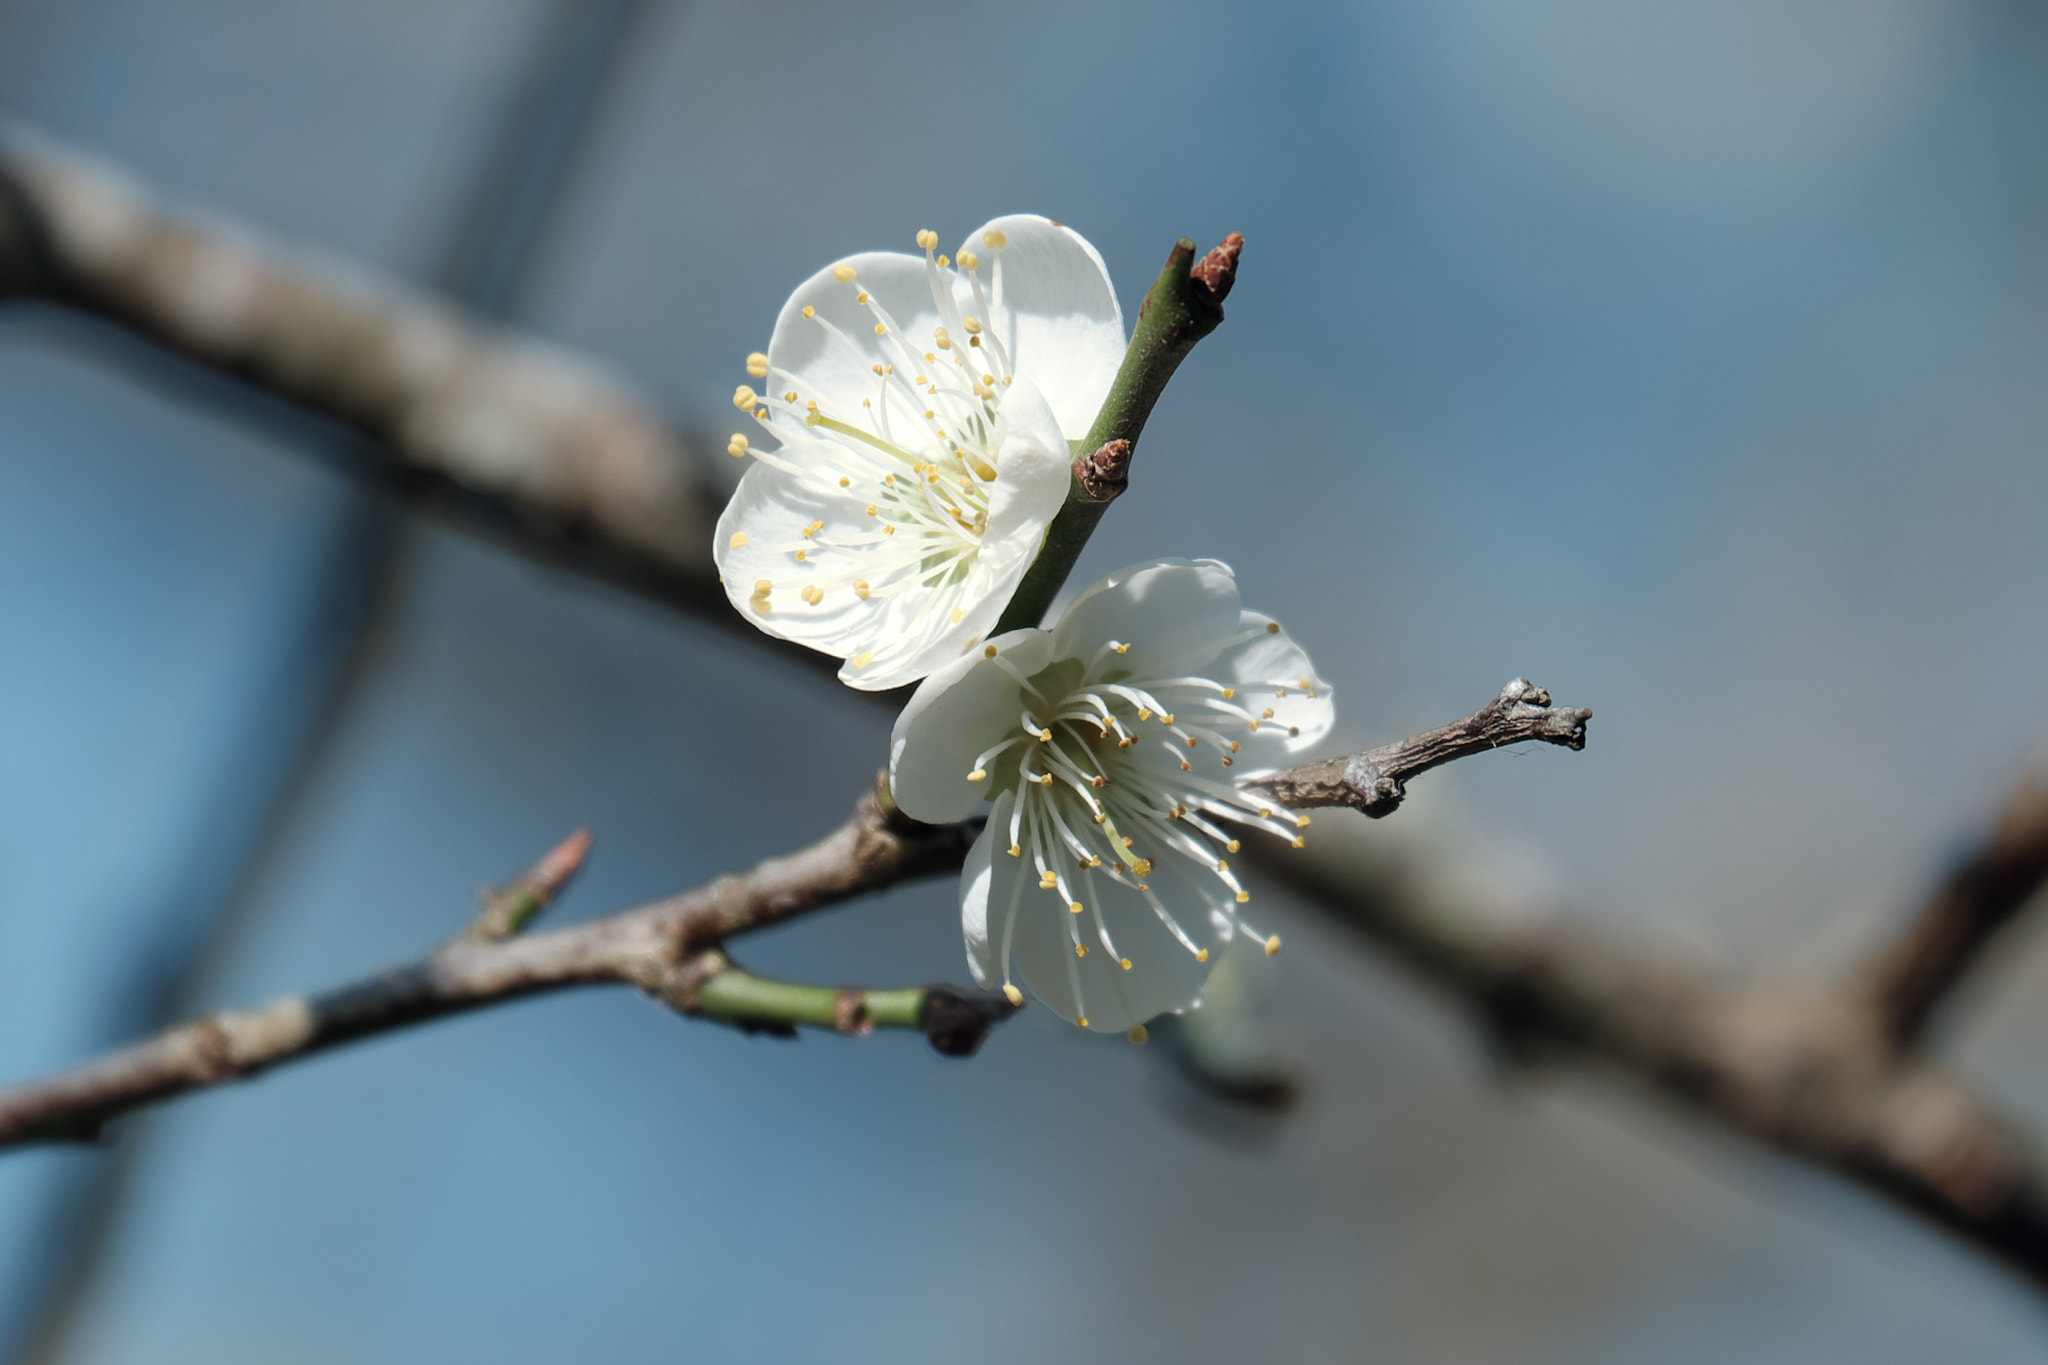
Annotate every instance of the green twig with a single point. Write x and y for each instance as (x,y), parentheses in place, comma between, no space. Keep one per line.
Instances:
(954,1020)
(1184,305)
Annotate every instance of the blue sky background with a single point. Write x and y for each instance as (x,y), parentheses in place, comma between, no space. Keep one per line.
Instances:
(1685,358)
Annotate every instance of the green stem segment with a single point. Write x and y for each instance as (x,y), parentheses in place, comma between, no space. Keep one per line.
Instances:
(956,1021)
(1184,305)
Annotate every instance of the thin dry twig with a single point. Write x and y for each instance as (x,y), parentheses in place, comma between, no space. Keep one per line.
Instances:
(1375,782)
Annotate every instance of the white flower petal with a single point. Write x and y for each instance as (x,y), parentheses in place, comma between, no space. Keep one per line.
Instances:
(1167,610)
(976,879)
(833,363)
(1164,977)
(1261,667)
(949,721)
(1058,313)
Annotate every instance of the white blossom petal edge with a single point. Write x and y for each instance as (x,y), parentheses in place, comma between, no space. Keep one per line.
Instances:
(921,410)
(1114,746)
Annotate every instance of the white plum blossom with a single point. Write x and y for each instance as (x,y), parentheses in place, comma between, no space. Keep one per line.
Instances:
(920,410)
(1115,747)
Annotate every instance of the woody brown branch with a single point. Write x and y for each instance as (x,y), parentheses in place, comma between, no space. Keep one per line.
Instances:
(668,950)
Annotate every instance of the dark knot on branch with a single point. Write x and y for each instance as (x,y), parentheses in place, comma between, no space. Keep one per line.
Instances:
(1105,474)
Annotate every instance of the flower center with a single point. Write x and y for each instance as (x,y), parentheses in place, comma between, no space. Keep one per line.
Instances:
(923,449)
(1121,777)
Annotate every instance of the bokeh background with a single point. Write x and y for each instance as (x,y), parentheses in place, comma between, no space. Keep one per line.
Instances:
(1684,357)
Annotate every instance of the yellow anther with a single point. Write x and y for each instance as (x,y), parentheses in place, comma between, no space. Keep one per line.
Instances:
(744,397)
(1265,812)
(877,369)
(1166,718)
(1233,846)
(845,482)
(842,273)
(1138,1033)
(1081,950)
(763,586)
(813,529)
(1255,725)
(1191,739)
(1307,684)
(1301,822)
(739,538)
(863,659)
(1243,896)
(814,594)
(1222,865)
(930,413)
(874,510)
(802,556)
(1095,860)
(1123,649)
(1012,994)
(1144,713)
(930,358)
(1075,906)
(789,396)
(1267,714)
(737,451)
(945,261)
(959,615)
(1083,1020)
(1016,851)
(1044,779)
(882,330)
(978,775)
(1235,747)
(890,529)
(989,652)
(762,605)
(809,311)
(757,365)
(1201,954)
(1300,842)
(969,261)
(927,239)
(1124,963)
(861,297)
(972,324)
(1187,767)
(1272,627)
(1044,736)
(1272,945)
(996,238)
(860,588)
(1142,866)
(1230,694)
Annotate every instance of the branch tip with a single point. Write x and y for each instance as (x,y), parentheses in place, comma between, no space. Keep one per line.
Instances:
(1216,272)
(958,1021)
